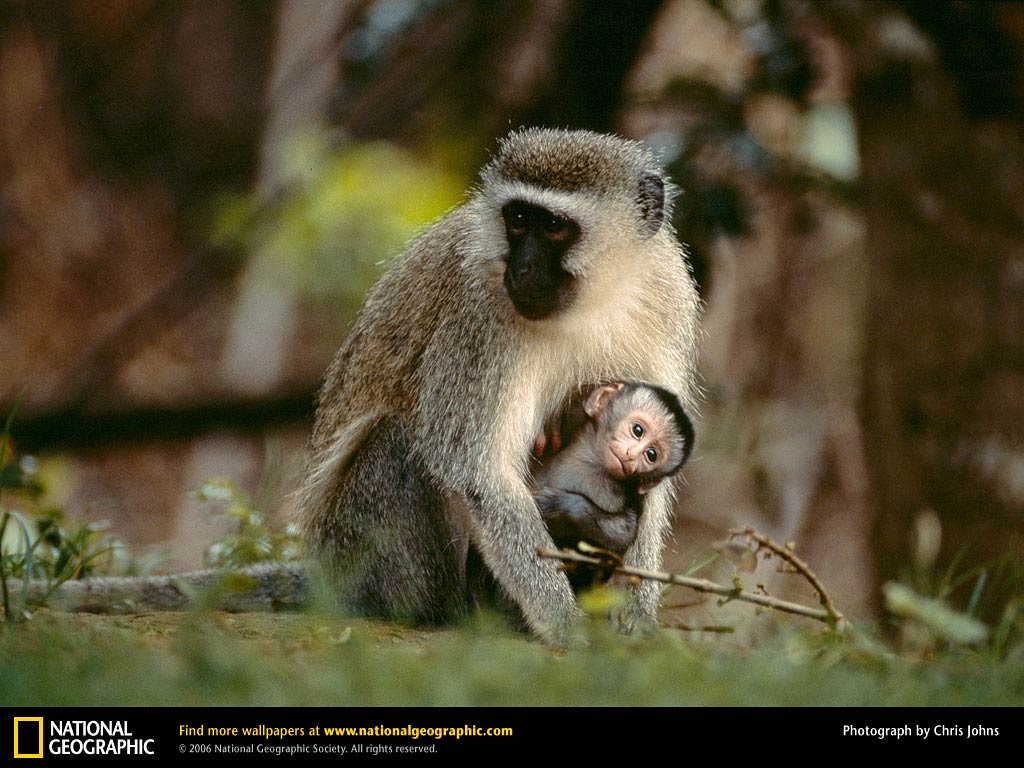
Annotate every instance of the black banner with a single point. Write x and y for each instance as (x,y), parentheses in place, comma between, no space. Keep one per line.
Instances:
(200,735)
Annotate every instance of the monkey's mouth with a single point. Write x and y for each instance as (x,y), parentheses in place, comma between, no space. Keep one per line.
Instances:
(532,309)
(529,302)
(537,299)
(616,467)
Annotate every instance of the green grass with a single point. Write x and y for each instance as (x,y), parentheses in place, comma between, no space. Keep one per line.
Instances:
(294,659)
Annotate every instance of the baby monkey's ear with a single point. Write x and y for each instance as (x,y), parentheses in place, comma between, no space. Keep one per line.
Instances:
(600,398)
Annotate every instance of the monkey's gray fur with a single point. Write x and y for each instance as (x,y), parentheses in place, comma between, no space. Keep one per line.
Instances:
(426,417)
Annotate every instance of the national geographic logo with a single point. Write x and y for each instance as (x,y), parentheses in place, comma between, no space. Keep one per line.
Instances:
(77,737)
(28,737)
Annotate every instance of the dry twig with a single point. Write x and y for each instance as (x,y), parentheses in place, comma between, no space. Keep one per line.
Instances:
(826,614)
(835,618)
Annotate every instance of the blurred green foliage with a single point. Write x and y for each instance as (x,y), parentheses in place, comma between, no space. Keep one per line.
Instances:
(336,218)
(933,615)
(920,610)
(251,538)
(37,541)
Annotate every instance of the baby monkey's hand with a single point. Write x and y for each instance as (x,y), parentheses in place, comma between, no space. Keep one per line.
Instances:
(549,439)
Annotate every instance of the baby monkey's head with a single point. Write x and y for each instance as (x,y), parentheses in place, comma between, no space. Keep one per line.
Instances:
(644,433)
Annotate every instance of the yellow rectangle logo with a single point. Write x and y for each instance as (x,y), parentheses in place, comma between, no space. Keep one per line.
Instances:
(36,744)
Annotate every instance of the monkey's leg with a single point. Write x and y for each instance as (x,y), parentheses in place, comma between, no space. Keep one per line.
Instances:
(572,518)
(487,594)
(395,548)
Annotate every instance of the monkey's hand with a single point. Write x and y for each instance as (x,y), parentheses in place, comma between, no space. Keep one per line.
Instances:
(561,427)
(549,439)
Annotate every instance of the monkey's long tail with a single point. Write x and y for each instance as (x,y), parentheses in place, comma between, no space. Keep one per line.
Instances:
(260,587)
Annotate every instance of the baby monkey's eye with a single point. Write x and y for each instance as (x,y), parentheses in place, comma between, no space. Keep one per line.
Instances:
(651,454)
(638,431)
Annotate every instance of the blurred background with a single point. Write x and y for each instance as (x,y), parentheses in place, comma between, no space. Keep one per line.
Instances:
(195,196)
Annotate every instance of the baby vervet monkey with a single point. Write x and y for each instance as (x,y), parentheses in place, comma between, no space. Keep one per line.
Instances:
(619,443)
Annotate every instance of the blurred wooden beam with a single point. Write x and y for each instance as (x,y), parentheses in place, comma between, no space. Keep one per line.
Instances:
(57,430)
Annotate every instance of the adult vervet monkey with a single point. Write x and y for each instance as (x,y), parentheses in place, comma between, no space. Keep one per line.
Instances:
(560,271)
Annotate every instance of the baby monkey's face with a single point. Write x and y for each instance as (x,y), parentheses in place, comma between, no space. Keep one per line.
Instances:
(637,435)
(637,446)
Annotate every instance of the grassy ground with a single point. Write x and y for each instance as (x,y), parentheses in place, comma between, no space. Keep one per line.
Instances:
(295,659)
(934,655)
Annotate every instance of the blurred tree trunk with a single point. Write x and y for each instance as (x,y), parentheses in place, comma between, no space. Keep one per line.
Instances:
(120,121)
(471,71)
(777,246)
(865,319)
(938,106)
(304,73)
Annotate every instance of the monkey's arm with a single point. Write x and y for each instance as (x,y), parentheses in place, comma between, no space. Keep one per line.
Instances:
(260,587)
(507,529)
(572,518)
(645,552)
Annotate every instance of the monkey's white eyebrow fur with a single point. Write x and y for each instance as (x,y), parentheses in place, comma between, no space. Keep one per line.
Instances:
(582,207)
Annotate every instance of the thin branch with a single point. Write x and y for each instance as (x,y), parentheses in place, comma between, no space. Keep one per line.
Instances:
(681,606)
(701,585)
(799,566)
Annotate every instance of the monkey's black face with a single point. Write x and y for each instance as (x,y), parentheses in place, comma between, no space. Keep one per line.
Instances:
(538,241)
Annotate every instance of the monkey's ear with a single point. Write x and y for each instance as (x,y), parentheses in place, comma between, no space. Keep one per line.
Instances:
(600,397)
(651,200)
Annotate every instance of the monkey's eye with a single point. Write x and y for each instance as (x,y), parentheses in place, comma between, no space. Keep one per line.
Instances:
(517,223)
(651,454)
(637,430)
(557,228)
